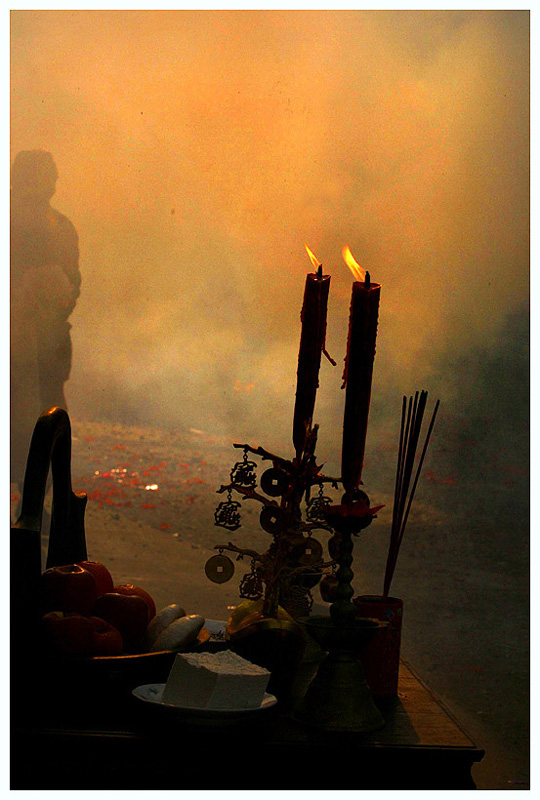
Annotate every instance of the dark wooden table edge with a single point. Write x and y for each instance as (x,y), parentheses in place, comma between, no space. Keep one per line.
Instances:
(460,759)
(442,704)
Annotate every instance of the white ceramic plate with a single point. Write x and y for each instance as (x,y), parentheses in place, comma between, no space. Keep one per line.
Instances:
(152,693)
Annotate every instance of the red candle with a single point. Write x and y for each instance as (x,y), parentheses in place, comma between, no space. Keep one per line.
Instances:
(364,313)
(312,344)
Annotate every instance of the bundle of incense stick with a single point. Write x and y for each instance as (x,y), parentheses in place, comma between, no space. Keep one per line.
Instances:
(412,415)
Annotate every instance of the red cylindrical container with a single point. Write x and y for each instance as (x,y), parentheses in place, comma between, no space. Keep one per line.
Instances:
(380,658)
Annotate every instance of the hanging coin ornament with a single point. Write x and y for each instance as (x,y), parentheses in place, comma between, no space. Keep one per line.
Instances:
(227,515)
(312,553)
(333,546)
(219,569)
(316,507)
(243,473)
(274,482)
(272,519)
(251,585)
(296,543)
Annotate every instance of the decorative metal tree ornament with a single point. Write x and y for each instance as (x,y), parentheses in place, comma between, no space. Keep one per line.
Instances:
(293,562)
(226,514)
(243,473)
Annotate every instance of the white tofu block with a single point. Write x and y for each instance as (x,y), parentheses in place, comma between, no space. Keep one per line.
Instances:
(221,680)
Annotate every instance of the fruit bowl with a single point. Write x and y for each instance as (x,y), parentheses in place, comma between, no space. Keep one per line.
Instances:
(127,661)
(98,639)
(134,660)
(76,689)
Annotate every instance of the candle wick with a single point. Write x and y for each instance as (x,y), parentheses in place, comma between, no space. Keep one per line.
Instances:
(367,279)
(319,272)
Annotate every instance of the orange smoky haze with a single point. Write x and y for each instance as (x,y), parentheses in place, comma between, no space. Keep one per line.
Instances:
(197,152)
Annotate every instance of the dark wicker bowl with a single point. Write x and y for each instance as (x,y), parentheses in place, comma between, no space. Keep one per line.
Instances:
(80,687)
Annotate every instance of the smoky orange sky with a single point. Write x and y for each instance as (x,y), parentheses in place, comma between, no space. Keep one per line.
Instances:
(199,150)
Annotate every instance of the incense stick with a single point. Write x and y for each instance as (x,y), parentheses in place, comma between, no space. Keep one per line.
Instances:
(410,430)
(399,478)
(403,480)
(428,436)
(399,461)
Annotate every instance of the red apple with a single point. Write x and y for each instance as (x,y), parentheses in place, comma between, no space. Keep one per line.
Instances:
(67,634)
(68,588)
(129,588)
(107,640)
(127,613)
(102,575)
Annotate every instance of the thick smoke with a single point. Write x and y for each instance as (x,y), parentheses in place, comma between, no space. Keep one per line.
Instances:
(198,151)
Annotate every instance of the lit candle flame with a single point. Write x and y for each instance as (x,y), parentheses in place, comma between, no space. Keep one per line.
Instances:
(358,271)
(313,258)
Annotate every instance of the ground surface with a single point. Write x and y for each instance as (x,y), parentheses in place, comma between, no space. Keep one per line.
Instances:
(150,518)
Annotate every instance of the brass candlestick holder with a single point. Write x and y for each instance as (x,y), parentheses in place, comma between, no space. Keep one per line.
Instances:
(338,697)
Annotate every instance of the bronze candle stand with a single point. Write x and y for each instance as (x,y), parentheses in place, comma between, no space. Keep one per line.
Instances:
(338,697)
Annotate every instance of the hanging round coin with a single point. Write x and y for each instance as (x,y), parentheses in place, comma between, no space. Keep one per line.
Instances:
(219,569)
(274,482)
(272,519)
(312,553)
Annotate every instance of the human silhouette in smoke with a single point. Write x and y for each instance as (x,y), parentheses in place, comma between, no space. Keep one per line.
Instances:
(45,284)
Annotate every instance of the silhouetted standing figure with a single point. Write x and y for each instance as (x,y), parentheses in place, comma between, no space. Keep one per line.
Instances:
(45,284)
